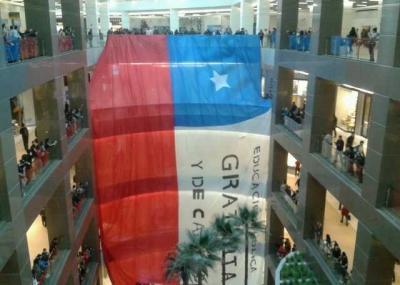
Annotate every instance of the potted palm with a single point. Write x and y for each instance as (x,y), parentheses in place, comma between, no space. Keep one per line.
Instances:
(229,236)
(194,258)
(247,219)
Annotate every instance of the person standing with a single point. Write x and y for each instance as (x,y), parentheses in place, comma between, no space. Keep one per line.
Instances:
(297,168)
(359,161)
(345,215)
(273,38)
(327,146)
(261,37)
(339,152)
(25,136)
(373,38)
(352,37)
(90,37)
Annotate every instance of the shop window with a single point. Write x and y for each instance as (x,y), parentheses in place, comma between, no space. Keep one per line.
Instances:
(353,111)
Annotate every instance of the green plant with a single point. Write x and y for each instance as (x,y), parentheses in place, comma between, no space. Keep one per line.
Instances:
(193,258)
(229,237)
(247,219)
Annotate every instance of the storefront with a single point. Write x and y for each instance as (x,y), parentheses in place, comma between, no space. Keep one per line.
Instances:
(353,110)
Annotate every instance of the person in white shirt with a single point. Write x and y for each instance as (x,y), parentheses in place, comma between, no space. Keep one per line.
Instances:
(373,39)
(327,146)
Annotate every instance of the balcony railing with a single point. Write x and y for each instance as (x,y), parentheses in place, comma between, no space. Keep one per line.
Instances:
(295,126)
(300,42)
(25,48)
(65,43)
(355,48)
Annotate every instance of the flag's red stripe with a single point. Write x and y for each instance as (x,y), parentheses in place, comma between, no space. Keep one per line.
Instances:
(135,163)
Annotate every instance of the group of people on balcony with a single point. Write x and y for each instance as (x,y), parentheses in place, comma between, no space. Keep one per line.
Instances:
(347,157)
(41,263)
(289,191)
(79,193)
(73,119)
(35,158)
(332,250)
(284,248)
(295,113)
(84,257)
(66,37)
(270,35)
(18,45)
(368,38)
(300,40)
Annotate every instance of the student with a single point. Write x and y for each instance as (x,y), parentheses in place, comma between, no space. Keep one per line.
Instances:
(261,37)
(343,261)
(373,38)
(327,146)
(297,168)
(339,152)
(336,252)
(359,159)
(345,215)
(352,38)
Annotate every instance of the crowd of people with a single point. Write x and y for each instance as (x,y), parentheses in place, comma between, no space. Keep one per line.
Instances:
(19,45)
(367,37)
(41,263)
(73,119)
(295,113)
(333,251)
(66,38)
(84,257)
(79,193)
(300,40)
(35,157)
(347,157)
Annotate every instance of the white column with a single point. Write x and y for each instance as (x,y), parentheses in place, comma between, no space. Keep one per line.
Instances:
(234,20)
(262,15)
(246,16)
(125,20)
(91,17)
(104,17)
(173,20)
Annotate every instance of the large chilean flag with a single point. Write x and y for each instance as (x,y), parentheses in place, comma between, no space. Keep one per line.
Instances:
(180,135)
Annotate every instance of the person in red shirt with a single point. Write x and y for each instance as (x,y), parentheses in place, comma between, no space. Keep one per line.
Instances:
(345,215)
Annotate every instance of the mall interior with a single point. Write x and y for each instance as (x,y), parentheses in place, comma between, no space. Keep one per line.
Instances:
(327,84)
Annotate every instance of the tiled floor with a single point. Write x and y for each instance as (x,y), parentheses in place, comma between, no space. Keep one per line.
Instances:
(38,238)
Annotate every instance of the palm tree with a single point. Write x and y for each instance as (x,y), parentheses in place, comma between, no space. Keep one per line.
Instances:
(229,235)
(248,220)
(194,258)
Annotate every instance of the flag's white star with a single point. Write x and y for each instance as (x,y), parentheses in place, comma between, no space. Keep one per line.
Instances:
(220,80)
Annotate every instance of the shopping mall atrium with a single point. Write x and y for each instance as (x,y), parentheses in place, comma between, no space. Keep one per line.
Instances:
(107,178)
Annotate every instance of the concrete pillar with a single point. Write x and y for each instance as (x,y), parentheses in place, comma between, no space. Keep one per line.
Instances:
(389,39)
(262,15)
(173,20)
(275,231)
(104,17)
(72,17)
(41,16)
(234,20)
(311,206)
(77,93)
(371,257)
(50,115)
(92,21)
(326,22)
(14,272)
(283,93)
(58,219)
(278,173)
(320,112)
(382,166)
(246,16)
(287,21)
(125,20)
